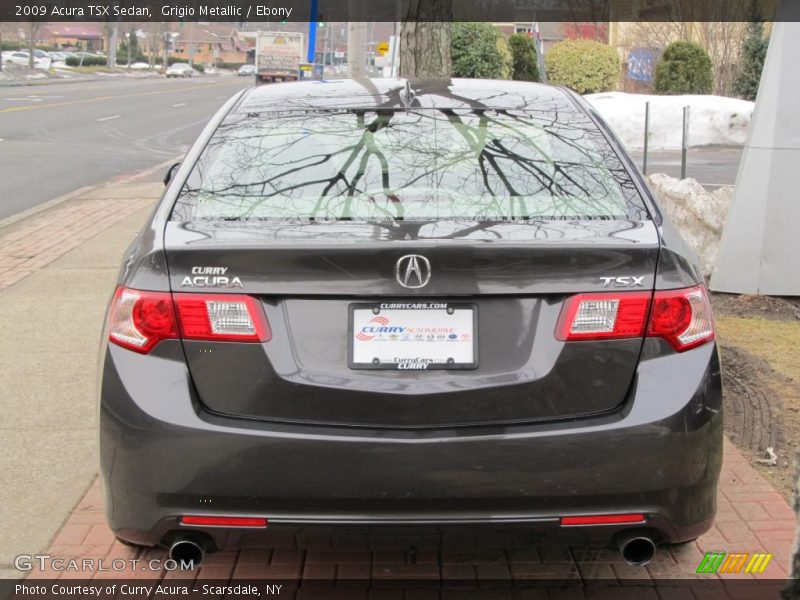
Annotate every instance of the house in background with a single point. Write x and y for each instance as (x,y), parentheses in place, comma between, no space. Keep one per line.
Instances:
(71,36)
(209,44)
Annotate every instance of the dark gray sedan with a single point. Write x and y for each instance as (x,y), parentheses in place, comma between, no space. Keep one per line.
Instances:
(418,305)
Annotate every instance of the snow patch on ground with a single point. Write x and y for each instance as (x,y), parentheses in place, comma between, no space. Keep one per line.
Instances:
(698,214)
(713,120)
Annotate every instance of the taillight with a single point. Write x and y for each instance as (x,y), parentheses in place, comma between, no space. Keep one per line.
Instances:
(682,317)
(222,317)
(603,316)
(138,320)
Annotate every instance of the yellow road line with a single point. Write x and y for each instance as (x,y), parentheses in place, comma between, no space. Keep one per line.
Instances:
(105,98)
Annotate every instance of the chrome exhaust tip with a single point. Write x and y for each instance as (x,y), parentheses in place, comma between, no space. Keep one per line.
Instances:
(637,548)
(188,550)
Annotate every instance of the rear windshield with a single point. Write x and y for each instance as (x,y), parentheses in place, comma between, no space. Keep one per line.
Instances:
(426,164)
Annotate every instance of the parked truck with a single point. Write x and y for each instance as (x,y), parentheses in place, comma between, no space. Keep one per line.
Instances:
(278,56)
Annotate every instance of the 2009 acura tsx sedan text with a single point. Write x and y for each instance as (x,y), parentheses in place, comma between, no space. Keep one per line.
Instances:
(415,305)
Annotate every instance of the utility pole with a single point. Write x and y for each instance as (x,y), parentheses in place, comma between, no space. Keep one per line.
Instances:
(191,43)
(312,33)
(327,51)
(356,40)
(356,46)
(166,48)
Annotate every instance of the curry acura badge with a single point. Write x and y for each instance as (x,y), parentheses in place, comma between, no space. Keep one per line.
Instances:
(210,277)
(413,271)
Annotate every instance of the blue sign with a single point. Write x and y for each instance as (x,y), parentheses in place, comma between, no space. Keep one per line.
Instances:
(642,64)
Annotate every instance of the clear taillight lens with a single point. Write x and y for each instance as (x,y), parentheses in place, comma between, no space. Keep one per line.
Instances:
(682,317)
(138,320)
(222,317)
(603,316)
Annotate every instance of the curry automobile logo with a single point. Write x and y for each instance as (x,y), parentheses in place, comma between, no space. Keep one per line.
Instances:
(374,326)
(413,271)
(211,277)
(734,562)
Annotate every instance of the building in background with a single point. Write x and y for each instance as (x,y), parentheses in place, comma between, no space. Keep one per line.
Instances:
(209,44)
(68,36)
(83,36)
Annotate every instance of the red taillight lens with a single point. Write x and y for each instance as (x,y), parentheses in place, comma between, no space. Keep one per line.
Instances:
(223,521)
(603,519)
(138,320)
(603,316)
(682,317)
(223,317)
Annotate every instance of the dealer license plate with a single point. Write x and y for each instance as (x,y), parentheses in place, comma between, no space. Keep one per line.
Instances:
(413,336)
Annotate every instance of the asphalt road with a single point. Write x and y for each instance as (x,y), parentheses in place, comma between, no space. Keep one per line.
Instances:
(713,166)
(57,138)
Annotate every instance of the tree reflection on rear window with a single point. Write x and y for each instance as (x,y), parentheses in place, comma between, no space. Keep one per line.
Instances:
(417,164)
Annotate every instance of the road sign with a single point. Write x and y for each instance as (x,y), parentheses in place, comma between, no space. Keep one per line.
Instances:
(383,48)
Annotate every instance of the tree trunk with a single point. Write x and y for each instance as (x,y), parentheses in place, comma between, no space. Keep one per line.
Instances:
(111,60)
(33,30)
(425,40)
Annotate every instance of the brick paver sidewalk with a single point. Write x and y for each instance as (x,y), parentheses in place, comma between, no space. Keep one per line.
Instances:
(752,517)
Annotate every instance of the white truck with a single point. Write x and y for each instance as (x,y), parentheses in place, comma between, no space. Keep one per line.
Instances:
(278,56)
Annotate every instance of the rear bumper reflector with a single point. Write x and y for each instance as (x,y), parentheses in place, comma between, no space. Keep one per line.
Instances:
(603,519)
(223,521)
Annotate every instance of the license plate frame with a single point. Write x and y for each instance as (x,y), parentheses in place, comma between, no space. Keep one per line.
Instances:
(390,306)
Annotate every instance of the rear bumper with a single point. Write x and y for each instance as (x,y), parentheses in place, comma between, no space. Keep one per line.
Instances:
(162,456)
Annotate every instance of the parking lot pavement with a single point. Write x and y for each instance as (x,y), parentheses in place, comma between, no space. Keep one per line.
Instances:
(59,268)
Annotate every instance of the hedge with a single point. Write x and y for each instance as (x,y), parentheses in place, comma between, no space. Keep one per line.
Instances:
(684,68)
(523,50)
(479,50)
(585,66)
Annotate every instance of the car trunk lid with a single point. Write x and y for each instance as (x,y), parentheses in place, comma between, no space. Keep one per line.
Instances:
(515,275)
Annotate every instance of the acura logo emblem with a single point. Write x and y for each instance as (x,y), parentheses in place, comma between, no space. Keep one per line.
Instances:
(413,271)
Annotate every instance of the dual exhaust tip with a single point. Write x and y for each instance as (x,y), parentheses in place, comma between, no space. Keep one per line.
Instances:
(636,547)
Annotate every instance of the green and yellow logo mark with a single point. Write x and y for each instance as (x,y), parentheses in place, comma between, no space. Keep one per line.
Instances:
(735,562)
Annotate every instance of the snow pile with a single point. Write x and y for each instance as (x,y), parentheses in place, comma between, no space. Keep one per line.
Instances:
(713,120)
(698,214)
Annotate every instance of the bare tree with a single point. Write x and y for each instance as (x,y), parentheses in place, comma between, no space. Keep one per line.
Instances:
(33,31)
(425,38)
(112,31)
